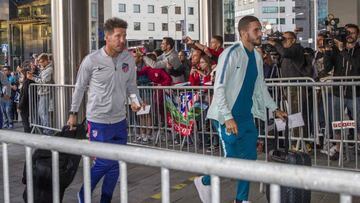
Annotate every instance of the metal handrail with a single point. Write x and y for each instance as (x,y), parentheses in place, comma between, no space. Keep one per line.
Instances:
(344,182)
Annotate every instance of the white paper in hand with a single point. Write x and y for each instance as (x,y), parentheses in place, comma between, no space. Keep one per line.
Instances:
(143,111)
(280,124)
(295,120)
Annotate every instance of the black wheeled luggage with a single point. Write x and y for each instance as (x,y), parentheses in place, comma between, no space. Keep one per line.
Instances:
(286,156)
(42,168)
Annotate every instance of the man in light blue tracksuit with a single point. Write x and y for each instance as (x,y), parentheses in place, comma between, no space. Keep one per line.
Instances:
(240,94)
(110,75)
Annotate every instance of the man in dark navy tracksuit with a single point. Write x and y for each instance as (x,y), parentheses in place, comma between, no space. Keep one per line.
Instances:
(109,74)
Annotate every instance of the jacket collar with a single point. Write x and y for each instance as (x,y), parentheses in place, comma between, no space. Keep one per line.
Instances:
(257,54)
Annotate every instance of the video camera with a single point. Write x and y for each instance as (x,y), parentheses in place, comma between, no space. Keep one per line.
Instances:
(268,48)
(275,36)
(334,32)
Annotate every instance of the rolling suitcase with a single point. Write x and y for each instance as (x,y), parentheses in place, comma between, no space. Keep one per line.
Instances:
(286,156)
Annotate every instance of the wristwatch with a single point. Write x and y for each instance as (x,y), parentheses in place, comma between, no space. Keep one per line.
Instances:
(73,113)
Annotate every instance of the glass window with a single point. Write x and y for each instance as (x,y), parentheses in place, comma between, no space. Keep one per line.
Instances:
(122,7)
(94,10)
(282,21)
(164,10)
(191,10)
(151,26)
(178,27)
(177,10)
(151,9)
(164,27)
(191,27)
(229,20)
(136,8)
(271,21)
(137,26)
(272,9)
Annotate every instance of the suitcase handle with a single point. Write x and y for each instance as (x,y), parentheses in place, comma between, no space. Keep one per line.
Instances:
(285,108)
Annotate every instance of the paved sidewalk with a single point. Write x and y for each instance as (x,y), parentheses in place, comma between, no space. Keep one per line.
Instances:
(144,185)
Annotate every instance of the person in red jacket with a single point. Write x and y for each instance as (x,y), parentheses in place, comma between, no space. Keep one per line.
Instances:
(213,51)
(159,77)
(155,75)
(201,76)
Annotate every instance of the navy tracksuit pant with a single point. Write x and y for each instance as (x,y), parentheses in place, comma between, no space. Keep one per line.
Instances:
(109,169)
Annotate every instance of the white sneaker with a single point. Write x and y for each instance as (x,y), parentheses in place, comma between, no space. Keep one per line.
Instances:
(144,138)
(138,138)
(203,190)
(331,152)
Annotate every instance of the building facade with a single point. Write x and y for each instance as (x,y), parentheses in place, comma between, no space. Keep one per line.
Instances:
(151,20)
(277,14)
(25,29)
(305,23)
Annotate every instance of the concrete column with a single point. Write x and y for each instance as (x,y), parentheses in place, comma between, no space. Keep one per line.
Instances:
(70,40)
(70,28)
(217,20)
(211,19)
(204,21)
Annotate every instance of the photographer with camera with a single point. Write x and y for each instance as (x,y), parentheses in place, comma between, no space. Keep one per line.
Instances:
(292,55)
(294,63)
(344,58)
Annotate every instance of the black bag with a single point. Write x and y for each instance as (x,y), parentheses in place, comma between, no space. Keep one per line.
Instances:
(42,167)
(288,194)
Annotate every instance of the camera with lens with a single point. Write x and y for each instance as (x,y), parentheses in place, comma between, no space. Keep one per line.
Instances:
(275,36)
(269,49)
(334,32)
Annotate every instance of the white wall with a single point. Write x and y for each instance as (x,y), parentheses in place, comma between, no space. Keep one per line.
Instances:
(111,10)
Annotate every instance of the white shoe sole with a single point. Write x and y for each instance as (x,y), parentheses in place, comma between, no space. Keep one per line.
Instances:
(198,184)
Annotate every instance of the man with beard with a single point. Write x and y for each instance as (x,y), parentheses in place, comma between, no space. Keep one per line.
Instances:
(240,95)
(110,75)
(344,59)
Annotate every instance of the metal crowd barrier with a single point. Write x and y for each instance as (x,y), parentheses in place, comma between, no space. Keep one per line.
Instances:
(345,183)
(49,110)
(177,119)
(317,136)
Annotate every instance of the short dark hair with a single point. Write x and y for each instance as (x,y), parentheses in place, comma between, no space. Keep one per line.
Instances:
(113,23)
(322,34)
(291,33)
(169,41)
(43,56)
(353,26)
(7,67)
(151,56)
(219,39)
(245,21)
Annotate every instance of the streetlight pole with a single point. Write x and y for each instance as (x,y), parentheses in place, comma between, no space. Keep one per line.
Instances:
(278,17)
(185,27)
(315,23)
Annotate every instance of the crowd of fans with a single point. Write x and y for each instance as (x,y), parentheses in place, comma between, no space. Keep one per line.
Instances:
(39,70)
(197,67)
(282,59)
